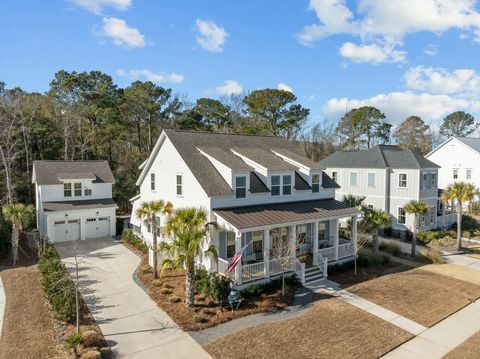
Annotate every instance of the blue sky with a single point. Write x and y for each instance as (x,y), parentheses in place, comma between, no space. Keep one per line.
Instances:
(403,56)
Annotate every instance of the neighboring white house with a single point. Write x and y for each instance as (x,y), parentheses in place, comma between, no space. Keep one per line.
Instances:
(258,189)
(459,160)
(74,199)
(389,177)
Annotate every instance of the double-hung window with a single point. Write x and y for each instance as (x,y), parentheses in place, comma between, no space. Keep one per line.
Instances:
(275,188)
(159,228)
(77,187)
(67,190)
(425,182)
(316,183)
(240,187)
(87,189)
(401,217)
(287,185)
(469,174)
(402,180)
(226,248)
(152,181)
(335,176)
(432,215)
(455,173)
(353,178)
(371,179)
(179,185)
(433,179)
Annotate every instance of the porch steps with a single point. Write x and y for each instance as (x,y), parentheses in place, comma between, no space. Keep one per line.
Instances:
(312,274)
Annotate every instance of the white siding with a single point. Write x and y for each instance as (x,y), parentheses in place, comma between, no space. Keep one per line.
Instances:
(55,192)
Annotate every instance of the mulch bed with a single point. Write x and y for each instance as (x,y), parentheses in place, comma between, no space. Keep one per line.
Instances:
(422,296)
(212,313)
(469,349)
(330,329)
(30,329)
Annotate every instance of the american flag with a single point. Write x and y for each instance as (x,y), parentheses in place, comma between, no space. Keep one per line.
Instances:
(236,258)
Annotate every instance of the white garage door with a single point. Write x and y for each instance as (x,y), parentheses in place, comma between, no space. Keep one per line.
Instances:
(97,227)
(66,230)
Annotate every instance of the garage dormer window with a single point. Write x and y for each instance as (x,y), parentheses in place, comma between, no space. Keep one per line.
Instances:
(240,187)
(152,181)
(67,189)
(87,189)
(316,183)
(287,185)
(77,189)
(275,186)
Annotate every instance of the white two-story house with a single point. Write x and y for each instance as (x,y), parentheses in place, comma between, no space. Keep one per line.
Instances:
(459,160)
(258,190)
(388,177)
(74,199)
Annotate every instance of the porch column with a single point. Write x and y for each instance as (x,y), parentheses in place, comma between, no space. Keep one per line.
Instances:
(266,252)
(354,233)
(238,267)
(293,229)
(315,242)
(334,225)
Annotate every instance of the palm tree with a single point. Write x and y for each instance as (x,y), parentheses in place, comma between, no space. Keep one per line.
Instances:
(189,227)
(374,220)
(149,211)
(20,215)
(460,193)
(353,201)
(417,208)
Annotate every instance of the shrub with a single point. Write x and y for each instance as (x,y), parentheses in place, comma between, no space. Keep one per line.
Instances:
(165,291)
(253,291)
(130,237)
(174,299)
(5,236)
(145,268)
(73,340)
(199,318)
(468,223)
(475,207)
(91,354)
(433,256)
(388,232)
(167,285)
(435,237)
(157,283)
(215,286)
(92,338)
(57,285)
(207,311)
(390,247)
(466,234)
(371,258)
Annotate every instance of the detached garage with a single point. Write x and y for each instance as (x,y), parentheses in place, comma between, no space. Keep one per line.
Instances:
(74,200)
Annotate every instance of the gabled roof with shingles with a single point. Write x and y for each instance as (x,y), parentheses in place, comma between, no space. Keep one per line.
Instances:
(382,156)
(52,172)
(473,142)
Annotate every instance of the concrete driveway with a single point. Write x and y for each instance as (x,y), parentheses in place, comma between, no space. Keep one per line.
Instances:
(133,325)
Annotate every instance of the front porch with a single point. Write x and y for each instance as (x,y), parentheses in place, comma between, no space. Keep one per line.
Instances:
(315,244)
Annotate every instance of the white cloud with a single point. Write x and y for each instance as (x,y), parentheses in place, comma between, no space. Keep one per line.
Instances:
(97,6)
(284,87)
(431,50)
(399,105)
(211,37)
(230,87)
(440,80)
(374,53)
(388,21)
(137,74)
(122,34)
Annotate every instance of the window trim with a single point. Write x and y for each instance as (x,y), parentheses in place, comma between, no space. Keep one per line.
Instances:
(335,177)
(70,189)
(77,189)
(468,174)
(316,183)
(240,187)
(406,180)
(404,215)
(177,186)
(350,178)
(370,206)
(279,185)
(285,185)
(455,173)
(374,179)
(87,184)
(433,180)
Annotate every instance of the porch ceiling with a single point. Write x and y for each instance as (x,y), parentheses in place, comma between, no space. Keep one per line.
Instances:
(287,212)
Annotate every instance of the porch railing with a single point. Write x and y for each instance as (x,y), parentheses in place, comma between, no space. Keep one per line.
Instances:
(275,266)
(299,269)
(322,264)
(252,271)
(346,250)
(222,266)
(328,253)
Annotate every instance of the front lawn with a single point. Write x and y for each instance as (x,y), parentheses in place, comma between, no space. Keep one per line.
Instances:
(420,295)
(469,349)
(330,329)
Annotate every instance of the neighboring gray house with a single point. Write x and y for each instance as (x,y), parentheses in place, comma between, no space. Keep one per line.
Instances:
(74,199)
(389,177)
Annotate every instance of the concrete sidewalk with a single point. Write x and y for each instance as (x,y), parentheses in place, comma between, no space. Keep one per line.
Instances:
(133,325)
(462,260)
(332,288)
(443,337)
(2,304)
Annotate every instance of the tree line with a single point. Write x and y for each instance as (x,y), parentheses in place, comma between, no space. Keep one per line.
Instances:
(86,116)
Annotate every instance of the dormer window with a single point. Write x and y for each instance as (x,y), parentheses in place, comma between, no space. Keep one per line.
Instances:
(77,189)
(67,189)
(287,185)
(87,189)
(240,187)
(275,188)
(316,183)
